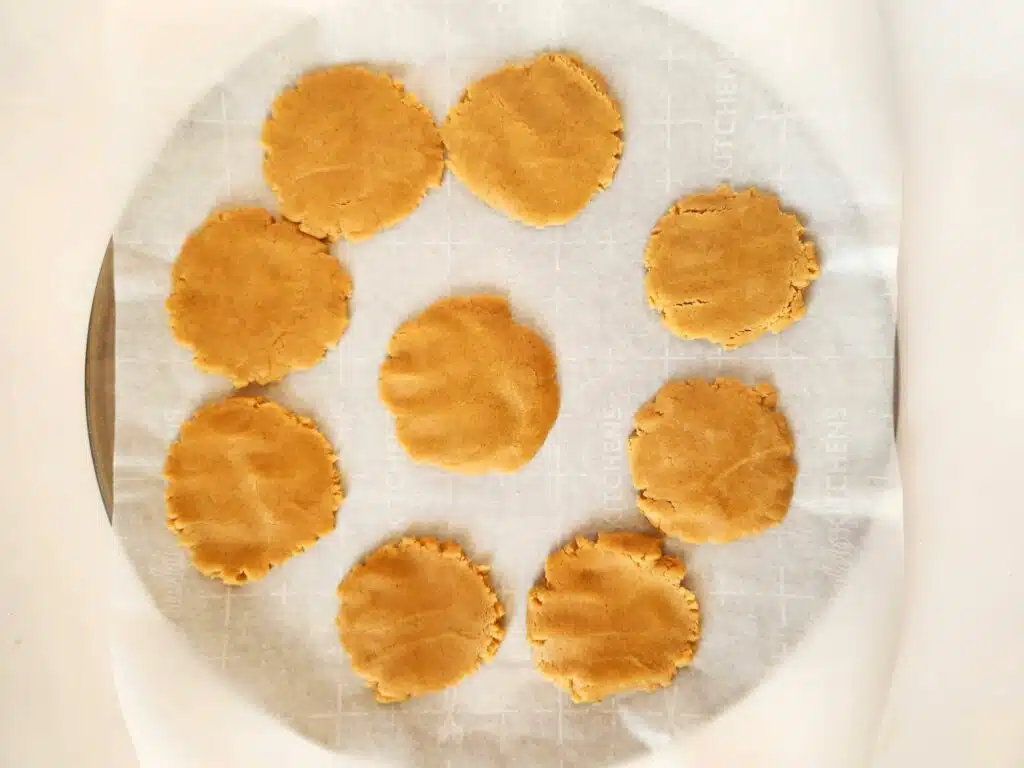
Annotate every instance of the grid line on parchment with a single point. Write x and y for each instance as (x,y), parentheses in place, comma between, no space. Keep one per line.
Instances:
(448,243)
(226,164)
(780,178)
(223,658)
(448,697)
(226,138)
(224,121)
(669,59)
(558,11)
(557,236)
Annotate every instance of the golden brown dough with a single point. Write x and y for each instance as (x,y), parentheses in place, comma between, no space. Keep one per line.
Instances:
(249,484)
(254,298)
(471,390)
(416,617)
(728,266)
(537,140)
(712,461)
(350,152)
(612,616)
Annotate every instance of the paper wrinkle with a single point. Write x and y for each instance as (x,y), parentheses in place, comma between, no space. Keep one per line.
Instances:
(693,117)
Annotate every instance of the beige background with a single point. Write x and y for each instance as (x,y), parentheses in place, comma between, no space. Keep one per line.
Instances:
(57,703)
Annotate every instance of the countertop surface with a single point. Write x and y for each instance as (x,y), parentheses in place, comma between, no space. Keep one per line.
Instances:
(78,125)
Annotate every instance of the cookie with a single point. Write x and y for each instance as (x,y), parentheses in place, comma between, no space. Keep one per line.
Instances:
(612,616)
(254,298)
(536,141)
(417,616)
(349,152)
(471,390)
(712,461)
(728,267)
(249,484)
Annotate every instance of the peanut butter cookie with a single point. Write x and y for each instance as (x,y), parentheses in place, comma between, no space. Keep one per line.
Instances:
(349,152)
(728,267)
(416,617)
(471,390)
(612,616)
(254,298)
(712,461)
(536,141)
(249,484)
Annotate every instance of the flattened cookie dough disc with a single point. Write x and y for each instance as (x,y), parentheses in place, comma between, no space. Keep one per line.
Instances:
(612,616)
(249,484)
(254,298)
(728,266)
(712,461)
(536,141)
(471,390)
(416,617)
(349,152)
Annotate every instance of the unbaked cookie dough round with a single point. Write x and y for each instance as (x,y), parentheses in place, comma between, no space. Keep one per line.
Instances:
(249,484)
(471,390)
(254,298)
(416,617)
(537,140)
(712,461)
(612,616)
(728,266)
(349,152)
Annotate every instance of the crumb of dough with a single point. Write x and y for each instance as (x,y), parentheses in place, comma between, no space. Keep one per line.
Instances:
(471,390)
(612,616)
(728,266)
(712,461)
(349,152)
(417,616)
(537,140)
(254,298)
(249,484)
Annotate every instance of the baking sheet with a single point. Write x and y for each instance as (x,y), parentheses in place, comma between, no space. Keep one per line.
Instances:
(693,117)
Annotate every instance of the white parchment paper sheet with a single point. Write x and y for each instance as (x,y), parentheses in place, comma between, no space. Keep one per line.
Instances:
(693,117)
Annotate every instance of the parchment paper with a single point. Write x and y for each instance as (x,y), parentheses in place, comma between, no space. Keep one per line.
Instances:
(693,117)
